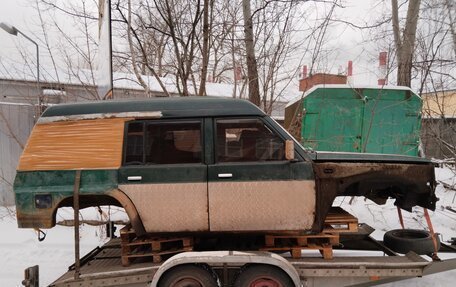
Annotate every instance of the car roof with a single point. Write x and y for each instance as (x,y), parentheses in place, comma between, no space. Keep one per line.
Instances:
(174,107)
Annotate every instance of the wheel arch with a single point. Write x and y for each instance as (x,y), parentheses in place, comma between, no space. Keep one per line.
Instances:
(113,197)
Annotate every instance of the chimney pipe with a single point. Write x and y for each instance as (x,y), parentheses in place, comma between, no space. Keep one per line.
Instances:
(350,73)
(304,72)
(382,59)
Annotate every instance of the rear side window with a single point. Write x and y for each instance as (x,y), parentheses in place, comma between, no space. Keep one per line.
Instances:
(163,143)
(247,140)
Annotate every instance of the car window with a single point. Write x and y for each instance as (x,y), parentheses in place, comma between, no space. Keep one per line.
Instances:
(163,143)
(247,140)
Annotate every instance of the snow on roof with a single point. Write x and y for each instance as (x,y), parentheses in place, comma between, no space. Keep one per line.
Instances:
(344,86)
(129,81)
(121,80)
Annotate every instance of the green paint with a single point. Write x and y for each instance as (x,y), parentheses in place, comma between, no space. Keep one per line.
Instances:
(366,157)
(59,184)
(164,173)
(180,107)
(383,121)
(392,123)
(262,171)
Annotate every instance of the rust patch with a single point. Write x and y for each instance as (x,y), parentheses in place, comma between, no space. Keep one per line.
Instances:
(43,219)
(409,184)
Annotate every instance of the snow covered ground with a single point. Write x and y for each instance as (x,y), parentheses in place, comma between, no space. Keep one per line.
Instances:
(19,248)
(384,217)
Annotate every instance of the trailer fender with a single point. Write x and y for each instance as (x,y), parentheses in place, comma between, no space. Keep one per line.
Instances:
(231,258)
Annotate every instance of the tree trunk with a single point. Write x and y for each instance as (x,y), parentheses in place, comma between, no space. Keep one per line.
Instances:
(405,44)
(252,70)
(205,50)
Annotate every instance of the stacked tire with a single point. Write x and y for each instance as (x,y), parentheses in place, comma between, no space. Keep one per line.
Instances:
(406,240)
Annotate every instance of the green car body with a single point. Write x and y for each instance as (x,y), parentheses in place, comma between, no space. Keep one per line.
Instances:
(198,165)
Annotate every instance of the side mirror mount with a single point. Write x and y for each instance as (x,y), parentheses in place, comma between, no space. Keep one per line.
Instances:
(289,150)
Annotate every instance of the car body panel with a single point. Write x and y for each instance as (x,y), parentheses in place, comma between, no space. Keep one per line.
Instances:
(60,185)
(168,197)
(261,205)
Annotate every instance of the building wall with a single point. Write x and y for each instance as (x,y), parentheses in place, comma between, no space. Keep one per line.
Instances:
(318,79)
(439,104)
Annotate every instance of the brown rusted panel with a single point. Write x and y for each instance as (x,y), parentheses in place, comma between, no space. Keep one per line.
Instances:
(43,219)
(410,184)
(84,144)
(261,206)
(173,207)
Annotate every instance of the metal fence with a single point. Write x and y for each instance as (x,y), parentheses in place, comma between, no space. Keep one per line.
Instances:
(16,123)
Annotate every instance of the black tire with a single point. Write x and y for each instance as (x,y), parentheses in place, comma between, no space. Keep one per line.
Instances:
(254,275)
(405,240)
(188,276)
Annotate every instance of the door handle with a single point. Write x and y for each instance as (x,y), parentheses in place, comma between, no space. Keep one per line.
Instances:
(134,178)
(225,175)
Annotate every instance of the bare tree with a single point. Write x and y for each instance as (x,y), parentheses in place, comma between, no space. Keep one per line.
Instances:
(205,49)
(405,43)
(252,69)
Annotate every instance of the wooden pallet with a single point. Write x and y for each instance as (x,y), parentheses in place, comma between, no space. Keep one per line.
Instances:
(339,221)
(133,247)
(302,240)
(296,243)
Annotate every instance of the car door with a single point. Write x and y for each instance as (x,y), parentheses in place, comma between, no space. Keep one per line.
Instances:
(252,187)
(164,174)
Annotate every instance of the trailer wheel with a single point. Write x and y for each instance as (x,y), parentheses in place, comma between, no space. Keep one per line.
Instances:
(263,276)
(188,276)
(405,240)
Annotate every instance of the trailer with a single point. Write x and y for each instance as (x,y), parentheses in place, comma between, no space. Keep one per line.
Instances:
(359,261)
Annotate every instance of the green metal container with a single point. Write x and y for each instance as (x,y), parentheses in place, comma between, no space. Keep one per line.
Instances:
(374,120)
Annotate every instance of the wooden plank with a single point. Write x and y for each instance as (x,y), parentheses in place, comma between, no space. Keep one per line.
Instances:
(339,220)
(325,250)
(127,259)
(304,240)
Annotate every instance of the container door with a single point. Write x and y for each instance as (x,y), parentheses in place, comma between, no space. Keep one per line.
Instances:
(391,122)
(332,120)
(164,175)
(251,185)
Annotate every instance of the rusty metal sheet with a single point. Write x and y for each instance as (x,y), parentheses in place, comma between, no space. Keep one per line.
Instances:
(261,205)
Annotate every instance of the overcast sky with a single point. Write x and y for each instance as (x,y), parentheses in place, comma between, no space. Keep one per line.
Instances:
(345,41)
(19,14)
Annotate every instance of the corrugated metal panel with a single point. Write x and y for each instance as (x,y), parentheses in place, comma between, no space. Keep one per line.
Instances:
(16,122)
(92,144)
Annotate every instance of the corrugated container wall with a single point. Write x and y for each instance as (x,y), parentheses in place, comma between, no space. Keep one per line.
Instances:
(360,120)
